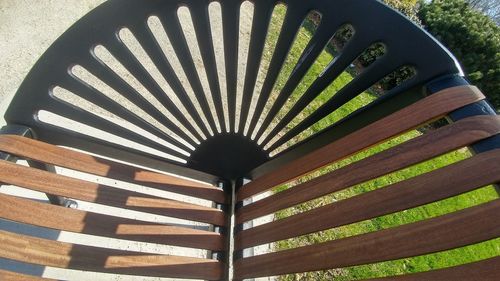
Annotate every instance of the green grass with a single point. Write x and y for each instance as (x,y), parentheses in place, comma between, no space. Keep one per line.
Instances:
(407,265)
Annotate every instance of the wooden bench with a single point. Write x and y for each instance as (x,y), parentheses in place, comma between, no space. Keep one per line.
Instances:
(224,159)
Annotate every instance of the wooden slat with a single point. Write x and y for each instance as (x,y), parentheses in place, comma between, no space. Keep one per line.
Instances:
(485,270)
(61,218)
(54,155)
(473,225)
(425,147)
(54,184)
(410,117)
(467,175)
(14,276)
(65,255)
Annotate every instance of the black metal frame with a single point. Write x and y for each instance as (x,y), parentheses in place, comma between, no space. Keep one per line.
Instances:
(100,27)
(475,109)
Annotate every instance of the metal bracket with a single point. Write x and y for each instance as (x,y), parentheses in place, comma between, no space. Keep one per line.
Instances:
(24,131)
(478,108)
(14,130)
(474,109)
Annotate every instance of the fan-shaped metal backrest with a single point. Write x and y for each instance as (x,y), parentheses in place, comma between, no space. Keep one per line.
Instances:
(195,82)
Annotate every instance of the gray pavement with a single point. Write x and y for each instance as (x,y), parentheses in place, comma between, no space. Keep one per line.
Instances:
(27,29)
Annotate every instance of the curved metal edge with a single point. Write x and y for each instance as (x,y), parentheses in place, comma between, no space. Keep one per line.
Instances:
(108,17)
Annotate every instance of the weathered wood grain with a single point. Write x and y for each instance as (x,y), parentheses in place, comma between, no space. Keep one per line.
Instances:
(485,270)
(71,256)
(54,184)
(469,226)
(58,156)
(61,218)
(467,175)
(425,147)
(410,117)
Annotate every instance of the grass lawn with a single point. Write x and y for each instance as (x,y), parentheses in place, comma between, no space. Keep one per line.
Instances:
(421,263)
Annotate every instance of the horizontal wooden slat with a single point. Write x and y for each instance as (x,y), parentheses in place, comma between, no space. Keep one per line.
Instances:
(54,184)
(412,116)
(54,155)
(458,229)
(61,218)
(14,276)
(64,255)
(467,175)
(425,147)
(485,270)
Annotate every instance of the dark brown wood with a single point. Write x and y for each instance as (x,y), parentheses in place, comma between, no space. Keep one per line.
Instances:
(467,175)
(469,226)
(485,270)
(425,147)
(54,184)
(72,256)
(14,276)
(61,218)
(58,156)
(419,113)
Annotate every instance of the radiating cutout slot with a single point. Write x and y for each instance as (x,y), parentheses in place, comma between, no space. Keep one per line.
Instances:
(303,36)
(92,108)
(163,40)
(359,101)
(342,36)
(135,47)
(89,79)
(194,48)
(397,78)
(323,62)
(373,52)
(336,45)
(215,15)
(275,26)
(75,126)
(245,30)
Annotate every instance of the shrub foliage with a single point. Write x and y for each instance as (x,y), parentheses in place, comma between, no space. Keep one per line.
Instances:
(472,37)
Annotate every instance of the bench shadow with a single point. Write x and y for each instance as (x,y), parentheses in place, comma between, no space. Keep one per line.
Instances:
(139,263)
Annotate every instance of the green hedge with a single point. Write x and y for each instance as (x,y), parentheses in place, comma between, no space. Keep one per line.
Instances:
(472,37)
